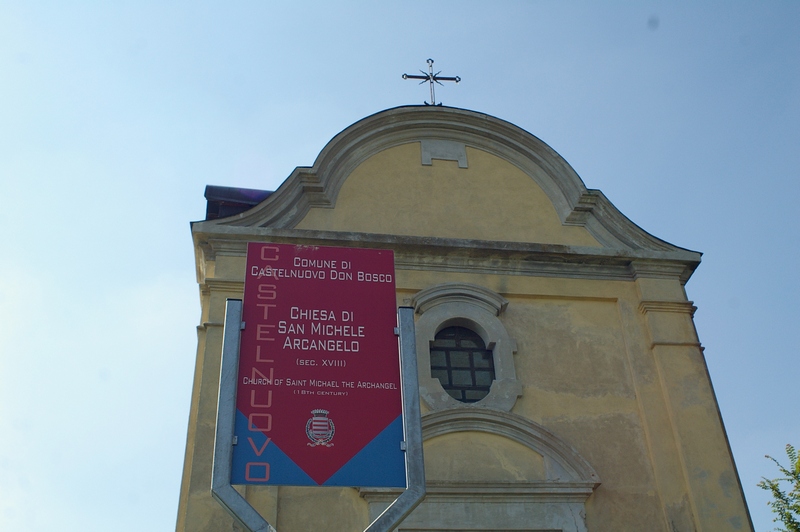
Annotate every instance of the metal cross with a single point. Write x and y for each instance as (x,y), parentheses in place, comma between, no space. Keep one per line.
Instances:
(430,77)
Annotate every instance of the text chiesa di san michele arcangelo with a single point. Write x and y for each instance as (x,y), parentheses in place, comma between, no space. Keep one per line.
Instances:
(332,335)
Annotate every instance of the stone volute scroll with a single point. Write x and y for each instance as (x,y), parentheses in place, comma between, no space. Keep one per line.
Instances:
(475,308)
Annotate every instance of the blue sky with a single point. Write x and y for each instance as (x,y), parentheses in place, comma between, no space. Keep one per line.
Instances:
(114,116)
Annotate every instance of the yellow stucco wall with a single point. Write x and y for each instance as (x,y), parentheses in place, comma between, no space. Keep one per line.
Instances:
(393,193)
(476,456)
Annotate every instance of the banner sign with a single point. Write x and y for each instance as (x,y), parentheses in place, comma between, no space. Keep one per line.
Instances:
(318,395)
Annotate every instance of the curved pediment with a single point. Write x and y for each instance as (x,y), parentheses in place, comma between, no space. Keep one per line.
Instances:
(550,458)
(491,465)
(446,173)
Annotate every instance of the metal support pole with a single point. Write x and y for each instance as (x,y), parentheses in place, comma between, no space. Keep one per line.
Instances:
(221,488)
(412,429)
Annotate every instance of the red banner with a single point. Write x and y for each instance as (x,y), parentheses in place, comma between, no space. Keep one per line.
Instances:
(318,395)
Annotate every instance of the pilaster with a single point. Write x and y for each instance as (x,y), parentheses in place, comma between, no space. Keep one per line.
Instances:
(712,488)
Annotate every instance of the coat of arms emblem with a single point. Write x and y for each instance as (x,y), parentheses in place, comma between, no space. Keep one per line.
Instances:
(320,429)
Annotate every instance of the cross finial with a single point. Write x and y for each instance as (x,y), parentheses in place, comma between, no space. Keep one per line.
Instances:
(431,78)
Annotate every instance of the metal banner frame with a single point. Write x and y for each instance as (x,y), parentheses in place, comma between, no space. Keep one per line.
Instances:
(237,505)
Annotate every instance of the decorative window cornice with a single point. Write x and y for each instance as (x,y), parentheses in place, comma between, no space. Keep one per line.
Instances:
(459,293)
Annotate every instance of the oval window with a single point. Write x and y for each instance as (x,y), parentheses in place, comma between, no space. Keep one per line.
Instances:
(461,362)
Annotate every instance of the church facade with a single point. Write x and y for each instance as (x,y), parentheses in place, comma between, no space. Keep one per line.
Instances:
(562,382)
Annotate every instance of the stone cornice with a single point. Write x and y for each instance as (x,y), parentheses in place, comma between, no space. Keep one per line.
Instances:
(644,268)
(489,491)
(696,345)
(462,255)
(209,324)
(222,285)
(681,307)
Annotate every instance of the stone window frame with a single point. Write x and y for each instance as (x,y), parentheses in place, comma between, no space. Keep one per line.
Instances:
(476,308)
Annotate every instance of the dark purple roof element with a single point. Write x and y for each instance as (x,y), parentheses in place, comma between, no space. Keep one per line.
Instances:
(227,201)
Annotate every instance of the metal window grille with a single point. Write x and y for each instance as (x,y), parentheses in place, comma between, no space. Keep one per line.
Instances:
(461,362)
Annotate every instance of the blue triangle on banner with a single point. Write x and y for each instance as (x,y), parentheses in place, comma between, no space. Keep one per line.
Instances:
(380,464)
